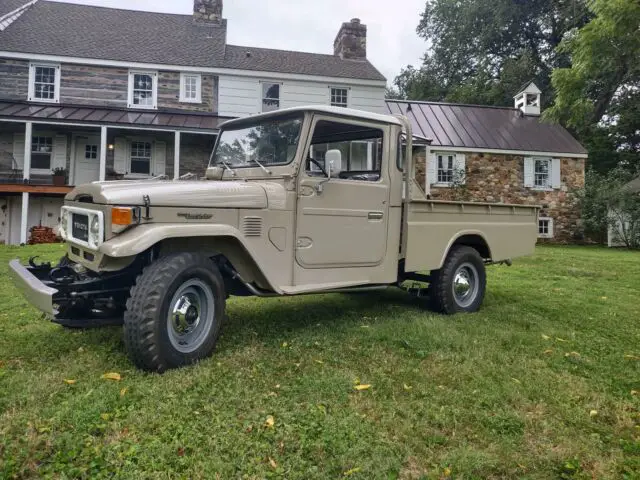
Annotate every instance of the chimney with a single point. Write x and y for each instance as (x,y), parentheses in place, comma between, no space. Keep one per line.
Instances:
(528,99)
(351,41)
(207,11)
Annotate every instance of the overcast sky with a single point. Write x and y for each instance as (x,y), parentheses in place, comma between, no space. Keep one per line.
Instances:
(311,26)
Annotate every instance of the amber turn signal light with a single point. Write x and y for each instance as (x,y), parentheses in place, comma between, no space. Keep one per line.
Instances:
(122,216)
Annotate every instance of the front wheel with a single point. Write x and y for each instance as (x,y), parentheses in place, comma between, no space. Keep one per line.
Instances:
(459,286)
(175,312)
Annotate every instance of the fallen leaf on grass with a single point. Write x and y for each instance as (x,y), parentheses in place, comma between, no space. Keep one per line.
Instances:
(70,382)
(516,380)
(632,357)
(273,463)
(123,392)
(593,413)
(80,350)
(572,354)
(561,340)
(634,393)
(285,345)
(112,376)
(603,298)
(548,352)
(320,362)
(546,337)
(447,472)
(348,473)
(181,452)
(362,387)
(270,422)
(105,416)
(407,387)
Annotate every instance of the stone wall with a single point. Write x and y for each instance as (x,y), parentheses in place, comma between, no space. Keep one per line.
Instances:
(351,41)
(104,86)
(500,179)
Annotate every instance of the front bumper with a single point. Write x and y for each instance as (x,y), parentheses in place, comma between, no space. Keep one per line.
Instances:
(36,292)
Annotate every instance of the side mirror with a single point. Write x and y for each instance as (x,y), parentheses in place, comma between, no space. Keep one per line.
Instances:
(333,162)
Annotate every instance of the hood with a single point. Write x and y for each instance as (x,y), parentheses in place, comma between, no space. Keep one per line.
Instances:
(198,194)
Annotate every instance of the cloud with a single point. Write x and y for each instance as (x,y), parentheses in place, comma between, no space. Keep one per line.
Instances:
(392,42)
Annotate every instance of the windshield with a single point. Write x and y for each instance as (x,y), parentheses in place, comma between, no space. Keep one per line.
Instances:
(272,142)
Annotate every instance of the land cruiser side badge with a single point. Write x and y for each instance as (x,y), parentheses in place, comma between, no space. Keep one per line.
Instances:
(196,216)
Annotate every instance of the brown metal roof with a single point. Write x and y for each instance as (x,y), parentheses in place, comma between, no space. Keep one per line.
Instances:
(111,116)
(481,127)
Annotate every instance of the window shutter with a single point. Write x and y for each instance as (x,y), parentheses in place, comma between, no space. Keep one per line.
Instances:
(556,174)
(432,169)
(460,169)
(120,155)
(59,159)
(159,159)
(18,149)
(529,179)
(551,232)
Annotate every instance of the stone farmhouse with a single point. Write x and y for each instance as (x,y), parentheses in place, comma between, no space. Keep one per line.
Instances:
(97,93)
(494,154)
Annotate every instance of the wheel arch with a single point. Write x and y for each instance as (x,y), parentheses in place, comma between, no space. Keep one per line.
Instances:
(473,239)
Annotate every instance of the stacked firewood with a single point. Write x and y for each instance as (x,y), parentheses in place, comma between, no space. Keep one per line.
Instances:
(40,235)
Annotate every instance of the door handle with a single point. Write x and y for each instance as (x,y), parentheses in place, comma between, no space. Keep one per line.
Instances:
(376,215)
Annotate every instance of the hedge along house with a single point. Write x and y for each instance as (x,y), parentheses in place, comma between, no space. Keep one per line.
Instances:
(105,93)
(494,154)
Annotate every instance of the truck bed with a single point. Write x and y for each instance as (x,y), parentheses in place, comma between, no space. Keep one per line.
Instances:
(433,226)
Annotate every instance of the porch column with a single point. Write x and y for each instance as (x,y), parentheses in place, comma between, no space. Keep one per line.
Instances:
(103,153)
(28,136)
(26,174)
(176,156)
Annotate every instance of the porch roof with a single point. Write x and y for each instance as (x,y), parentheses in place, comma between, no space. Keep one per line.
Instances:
(99,116)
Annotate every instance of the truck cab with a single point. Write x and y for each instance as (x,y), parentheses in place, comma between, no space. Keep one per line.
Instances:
(302,200)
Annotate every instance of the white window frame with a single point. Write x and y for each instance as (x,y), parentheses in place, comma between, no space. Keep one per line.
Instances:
(549,184)
(447,155)
(331,96)
(550,233)
(129,157)
(263,98)
(51,135)
(154,88)
(31,94)
(183,91)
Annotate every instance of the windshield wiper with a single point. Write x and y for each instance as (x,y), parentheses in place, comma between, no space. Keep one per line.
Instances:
(264,169)
(226,166)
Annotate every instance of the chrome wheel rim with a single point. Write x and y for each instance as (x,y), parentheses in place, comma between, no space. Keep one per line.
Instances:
(465,285)
(191,316)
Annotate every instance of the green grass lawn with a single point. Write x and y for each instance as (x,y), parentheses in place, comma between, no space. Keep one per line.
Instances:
(543,383)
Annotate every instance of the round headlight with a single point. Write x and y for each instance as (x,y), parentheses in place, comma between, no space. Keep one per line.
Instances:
(95,226)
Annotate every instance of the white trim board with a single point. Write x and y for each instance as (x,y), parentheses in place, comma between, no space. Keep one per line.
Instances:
(183,68)
(528,153)
(99,125)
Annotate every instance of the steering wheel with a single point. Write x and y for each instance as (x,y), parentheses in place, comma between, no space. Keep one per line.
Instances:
(317,164)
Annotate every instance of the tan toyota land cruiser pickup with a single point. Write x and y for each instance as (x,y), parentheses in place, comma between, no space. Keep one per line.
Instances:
(298,201)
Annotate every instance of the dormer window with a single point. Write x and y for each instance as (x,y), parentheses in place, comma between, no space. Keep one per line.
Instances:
(143,90)
(44,83)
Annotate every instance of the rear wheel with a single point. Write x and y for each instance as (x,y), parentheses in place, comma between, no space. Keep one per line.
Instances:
(460,285)
(175,312)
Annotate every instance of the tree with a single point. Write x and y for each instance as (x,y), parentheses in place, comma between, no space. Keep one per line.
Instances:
(598,96)
(482,51)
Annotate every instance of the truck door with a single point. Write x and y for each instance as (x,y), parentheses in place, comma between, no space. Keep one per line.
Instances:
(343,222)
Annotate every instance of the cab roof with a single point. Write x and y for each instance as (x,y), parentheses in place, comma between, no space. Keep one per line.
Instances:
(337,111)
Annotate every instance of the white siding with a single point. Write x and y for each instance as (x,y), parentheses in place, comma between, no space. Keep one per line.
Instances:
(370,99)
(241,96)
(238,96)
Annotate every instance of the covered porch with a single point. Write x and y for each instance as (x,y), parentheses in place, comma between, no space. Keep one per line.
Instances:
(45,151)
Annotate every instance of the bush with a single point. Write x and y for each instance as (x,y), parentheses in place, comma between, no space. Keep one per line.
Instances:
(609,206)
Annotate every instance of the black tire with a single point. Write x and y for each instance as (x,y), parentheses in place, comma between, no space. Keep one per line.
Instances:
(463,264)
(153,339)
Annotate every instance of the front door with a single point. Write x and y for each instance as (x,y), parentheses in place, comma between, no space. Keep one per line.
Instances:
(345,224)
(87,168)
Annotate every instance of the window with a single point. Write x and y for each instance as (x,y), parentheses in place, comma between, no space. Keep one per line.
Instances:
(44,83)
(143,90)
(41,149)
(542,169)
(445,168)
(141,158)
(190,88)
(91,152)
(270,97)
(545,227)
(361,149)
(339,97)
